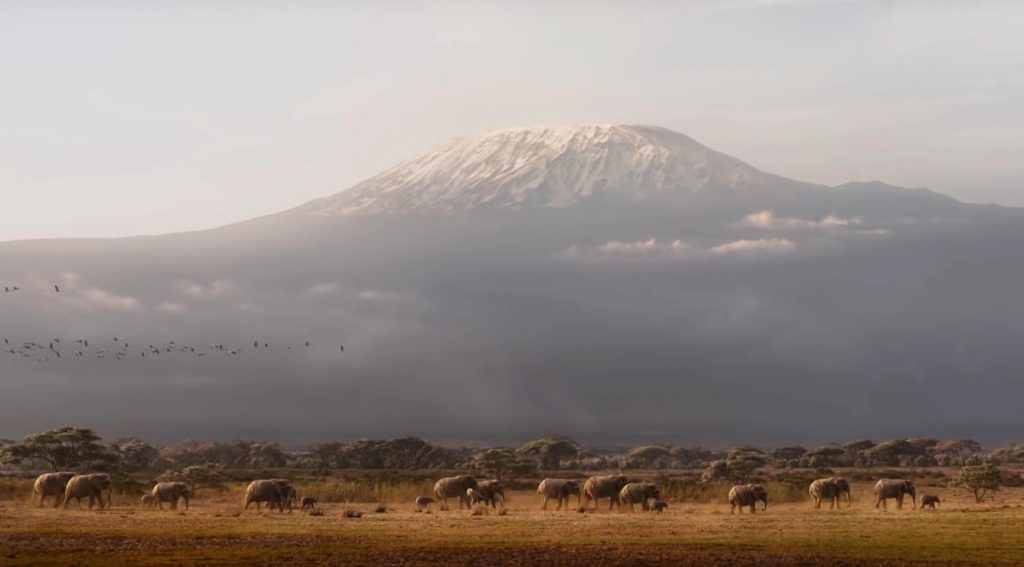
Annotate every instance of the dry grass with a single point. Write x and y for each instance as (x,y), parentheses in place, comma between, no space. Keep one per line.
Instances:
(213,532)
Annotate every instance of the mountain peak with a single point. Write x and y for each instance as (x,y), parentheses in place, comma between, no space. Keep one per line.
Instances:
(548,166)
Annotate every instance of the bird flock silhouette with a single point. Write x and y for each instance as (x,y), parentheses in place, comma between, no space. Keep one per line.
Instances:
(120,348)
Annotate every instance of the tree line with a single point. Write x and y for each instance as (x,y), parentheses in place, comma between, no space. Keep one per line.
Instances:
(82,449)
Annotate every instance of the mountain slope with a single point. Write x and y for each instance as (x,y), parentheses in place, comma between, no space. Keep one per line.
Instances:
(551,167)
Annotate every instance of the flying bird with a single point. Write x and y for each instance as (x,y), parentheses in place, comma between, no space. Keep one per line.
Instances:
(56,288)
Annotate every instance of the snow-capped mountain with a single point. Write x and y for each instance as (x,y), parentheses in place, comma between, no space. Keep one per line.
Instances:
(621,283)
(550,166)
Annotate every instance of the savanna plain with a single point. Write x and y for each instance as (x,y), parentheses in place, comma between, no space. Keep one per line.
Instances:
(697,530)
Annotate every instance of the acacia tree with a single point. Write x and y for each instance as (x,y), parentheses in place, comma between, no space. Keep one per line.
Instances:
(551,450)
(198,477)
(135,455)
(64,448)
(979,480)
(739,463)
(503,464)
(265,455)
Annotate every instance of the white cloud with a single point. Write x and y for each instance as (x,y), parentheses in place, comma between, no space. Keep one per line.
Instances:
(651,246)
(767,220)
(746,246)
(325,288)
(172,307)
(378,295)
(215,290)
(68,279)
(675,249)
(103,299)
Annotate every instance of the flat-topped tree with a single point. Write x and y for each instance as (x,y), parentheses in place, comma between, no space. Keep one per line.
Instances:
(552,450)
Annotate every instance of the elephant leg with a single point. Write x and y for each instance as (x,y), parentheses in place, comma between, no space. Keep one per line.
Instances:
(899,502)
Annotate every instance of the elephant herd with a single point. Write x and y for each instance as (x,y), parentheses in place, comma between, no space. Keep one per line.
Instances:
(281,493)
(65,486)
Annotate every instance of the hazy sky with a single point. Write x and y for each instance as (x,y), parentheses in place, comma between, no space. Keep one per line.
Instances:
(145,117)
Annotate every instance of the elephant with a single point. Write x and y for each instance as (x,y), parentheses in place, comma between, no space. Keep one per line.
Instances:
(289,492)
(51,484)
(639,493)
(275,492)
(559,489)
(929,501)
(171,492)
(894,488)
(747,495)
(492,491)
(308,503)
(91,485)
(475,497)
(423,503)
(659,505)
(148,501)
(829,489)
(597,487)
(454,487)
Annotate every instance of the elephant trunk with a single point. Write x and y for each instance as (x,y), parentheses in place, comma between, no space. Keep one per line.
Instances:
(764,505)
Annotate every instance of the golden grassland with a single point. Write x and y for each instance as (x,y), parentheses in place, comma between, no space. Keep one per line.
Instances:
(216,532)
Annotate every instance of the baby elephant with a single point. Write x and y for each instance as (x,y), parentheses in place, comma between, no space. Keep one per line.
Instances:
(659,505)
(929,501)
(308,502)
(148,501)
(423,503)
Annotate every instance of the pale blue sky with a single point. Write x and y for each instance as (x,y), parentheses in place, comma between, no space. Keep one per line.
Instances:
(143,117)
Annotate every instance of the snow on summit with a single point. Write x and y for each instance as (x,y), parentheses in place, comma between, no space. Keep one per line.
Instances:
(547,166)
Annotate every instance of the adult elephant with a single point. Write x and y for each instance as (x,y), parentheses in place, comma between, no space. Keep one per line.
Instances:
(171,492)
(289,494)
(830,489)
(560,490)
(276,492)
(93,486)
(598,487)
(51,484)
(894,488)
(492,491)
(747,495)
(455,487)
(639,493)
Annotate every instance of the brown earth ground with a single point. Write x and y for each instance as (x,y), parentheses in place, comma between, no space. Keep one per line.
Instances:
(214,532)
